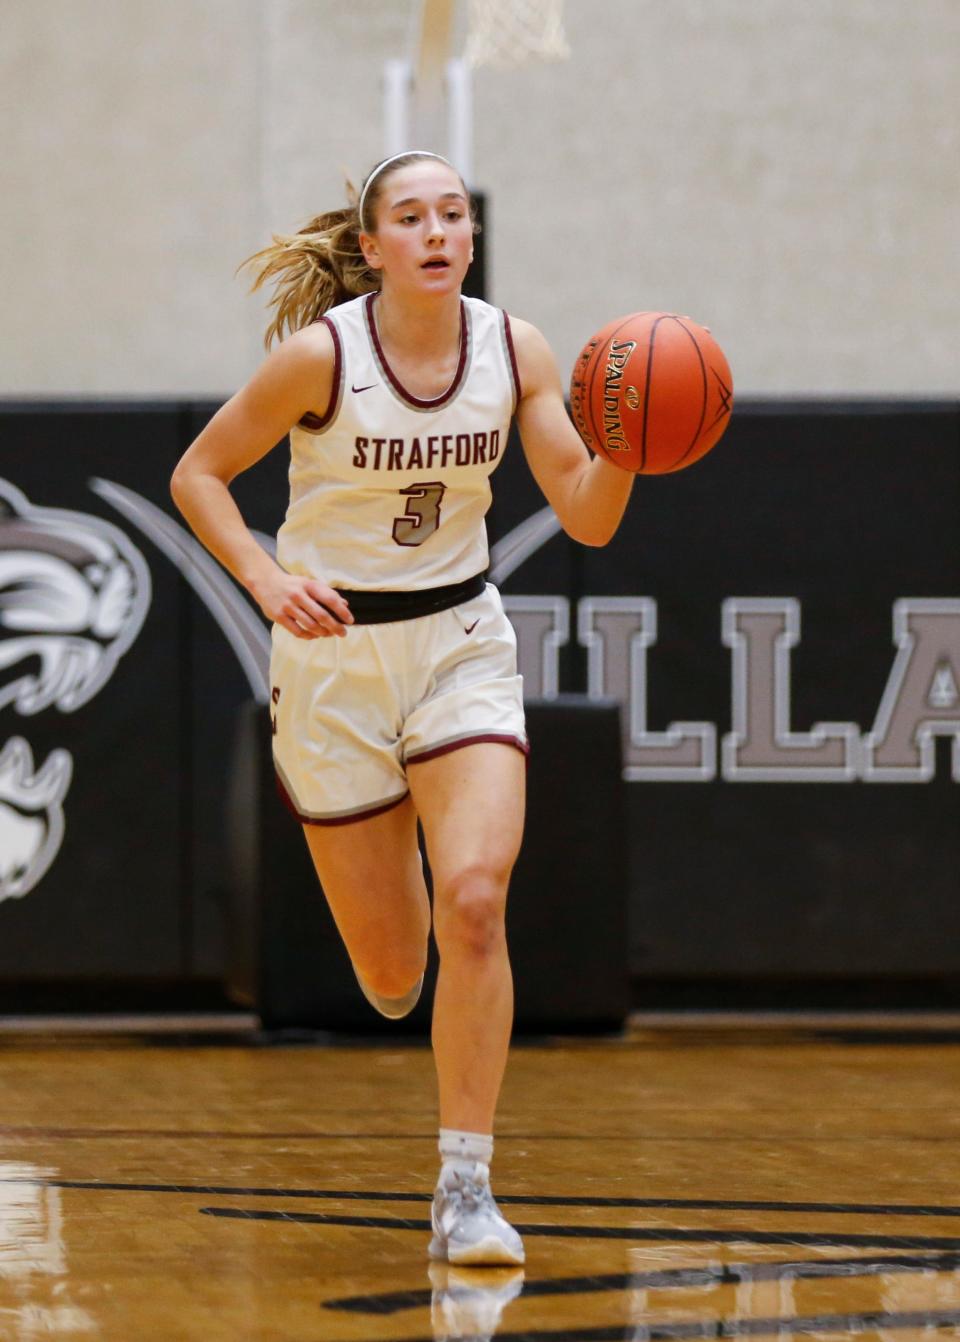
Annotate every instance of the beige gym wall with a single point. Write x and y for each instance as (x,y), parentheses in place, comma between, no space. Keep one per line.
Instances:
(787,174)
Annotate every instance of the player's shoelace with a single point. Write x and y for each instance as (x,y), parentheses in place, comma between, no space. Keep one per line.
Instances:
(466,1194)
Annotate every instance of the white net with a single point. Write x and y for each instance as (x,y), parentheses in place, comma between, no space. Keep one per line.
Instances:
(512,32)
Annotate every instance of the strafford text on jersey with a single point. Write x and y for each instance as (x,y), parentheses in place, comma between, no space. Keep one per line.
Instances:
(414,454)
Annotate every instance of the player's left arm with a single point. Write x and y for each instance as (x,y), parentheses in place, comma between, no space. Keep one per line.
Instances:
(588,494)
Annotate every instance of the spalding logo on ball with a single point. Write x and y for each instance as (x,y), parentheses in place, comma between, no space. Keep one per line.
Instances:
(651,392)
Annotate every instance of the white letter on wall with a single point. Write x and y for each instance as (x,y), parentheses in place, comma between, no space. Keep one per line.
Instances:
(922,699)
(762,748)
(616,631)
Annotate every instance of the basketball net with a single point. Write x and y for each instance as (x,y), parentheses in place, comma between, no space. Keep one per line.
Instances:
(513,32)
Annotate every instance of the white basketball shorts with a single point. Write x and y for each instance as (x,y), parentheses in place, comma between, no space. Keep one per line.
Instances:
(349,714)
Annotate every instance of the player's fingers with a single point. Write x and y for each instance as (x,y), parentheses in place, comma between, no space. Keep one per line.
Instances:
(289,623)
(318,618)
(331,600)
(303,622)
(314,630)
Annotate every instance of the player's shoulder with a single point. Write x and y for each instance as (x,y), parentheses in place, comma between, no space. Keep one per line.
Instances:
(535,358)
(311,345)
(526,334)
(322,334)
(302,366)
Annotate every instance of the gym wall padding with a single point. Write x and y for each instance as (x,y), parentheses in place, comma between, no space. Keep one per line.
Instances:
(847,509)
(842,509)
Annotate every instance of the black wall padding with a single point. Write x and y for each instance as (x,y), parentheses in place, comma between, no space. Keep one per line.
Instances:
(843,508)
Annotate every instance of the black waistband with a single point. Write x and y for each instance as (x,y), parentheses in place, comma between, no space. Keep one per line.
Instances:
(385,607)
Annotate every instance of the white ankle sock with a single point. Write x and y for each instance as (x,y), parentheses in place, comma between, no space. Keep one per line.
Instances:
(465,1148)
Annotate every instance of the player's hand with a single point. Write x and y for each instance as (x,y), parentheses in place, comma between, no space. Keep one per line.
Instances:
(305,607)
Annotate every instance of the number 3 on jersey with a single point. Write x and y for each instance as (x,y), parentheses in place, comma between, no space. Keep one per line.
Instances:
(422,514)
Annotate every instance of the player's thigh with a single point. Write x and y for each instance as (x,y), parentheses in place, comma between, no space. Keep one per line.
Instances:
(372,877)
(471,805)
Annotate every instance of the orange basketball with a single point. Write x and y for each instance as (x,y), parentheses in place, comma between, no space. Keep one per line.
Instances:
(651,392)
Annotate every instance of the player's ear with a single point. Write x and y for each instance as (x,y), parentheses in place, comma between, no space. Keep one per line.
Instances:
(371,252)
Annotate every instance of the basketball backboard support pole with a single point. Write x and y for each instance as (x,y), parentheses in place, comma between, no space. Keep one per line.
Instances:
(397,98)
(427,97)
(428,104)
(434,41)
(418,89)
(460,117)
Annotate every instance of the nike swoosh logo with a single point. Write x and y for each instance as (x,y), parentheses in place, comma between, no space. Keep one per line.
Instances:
(366,388)
(472,627)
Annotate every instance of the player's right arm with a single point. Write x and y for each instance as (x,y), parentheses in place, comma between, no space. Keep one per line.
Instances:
(296,378)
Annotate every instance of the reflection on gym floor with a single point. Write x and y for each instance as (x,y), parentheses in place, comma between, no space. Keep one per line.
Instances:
(34,1298)
(673,1184)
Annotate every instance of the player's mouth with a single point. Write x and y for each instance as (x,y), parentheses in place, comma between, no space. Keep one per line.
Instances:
(436,263)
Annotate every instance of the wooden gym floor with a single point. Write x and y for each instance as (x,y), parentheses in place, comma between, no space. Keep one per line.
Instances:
(678,1183)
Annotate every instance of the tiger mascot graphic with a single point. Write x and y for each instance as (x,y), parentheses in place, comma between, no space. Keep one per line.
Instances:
(74,592)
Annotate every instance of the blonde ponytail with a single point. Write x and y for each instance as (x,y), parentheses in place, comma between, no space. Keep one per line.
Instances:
(313,270)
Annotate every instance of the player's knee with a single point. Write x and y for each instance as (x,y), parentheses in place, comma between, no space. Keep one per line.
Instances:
(469,915)
(392,975)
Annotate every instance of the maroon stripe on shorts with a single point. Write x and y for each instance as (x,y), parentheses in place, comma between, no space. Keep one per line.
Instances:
(336,819)
(505,738)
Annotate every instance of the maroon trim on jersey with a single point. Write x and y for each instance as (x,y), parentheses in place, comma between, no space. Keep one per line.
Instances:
(395,382)
(517,392)
(506,738)
(336,819)
(317,422)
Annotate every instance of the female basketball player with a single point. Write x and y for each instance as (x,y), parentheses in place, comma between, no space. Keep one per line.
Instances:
(394,683)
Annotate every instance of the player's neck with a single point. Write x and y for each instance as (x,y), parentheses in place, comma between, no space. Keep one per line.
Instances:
(428,329)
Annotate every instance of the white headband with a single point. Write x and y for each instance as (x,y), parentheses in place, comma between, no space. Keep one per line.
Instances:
(423,153)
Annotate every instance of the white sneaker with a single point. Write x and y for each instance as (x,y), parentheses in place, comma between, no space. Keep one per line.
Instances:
(394,1008)
(468,1304)
(468,1228)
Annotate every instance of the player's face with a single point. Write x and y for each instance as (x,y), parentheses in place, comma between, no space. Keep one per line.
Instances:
(424,234)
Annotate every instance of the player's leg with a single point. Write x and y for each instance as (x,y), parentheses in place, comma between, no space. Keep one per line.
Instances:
(333,710)
(471,804)
(372,877)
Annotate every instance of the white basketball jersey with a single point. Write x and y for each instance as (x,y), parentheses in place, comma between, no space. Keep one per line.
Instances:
(389,491)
